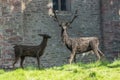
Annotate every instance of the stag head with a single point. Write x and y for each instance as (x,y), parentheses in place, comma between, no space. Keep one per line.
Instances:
(45,35)
(64,25)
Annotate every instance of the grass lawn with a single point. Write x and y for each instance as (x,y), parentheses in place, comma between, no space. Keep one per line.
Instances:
(79,71)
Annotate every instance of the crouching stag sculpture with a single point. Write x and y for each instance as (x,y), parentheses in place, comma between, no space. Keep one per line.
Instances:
(22,51)
(77,45)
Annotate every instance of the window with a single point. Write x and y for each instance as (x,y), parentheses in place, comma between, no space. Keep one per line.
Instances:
(62,5)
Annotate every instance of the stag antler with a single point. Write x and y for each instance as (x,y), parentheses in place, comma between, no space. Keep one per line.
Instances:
(74,17)
(56,18)
(66,23)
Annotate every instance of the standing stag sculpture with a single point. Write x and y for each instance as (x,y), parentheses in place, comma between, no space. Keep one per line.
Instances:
(22,51)
(77,45)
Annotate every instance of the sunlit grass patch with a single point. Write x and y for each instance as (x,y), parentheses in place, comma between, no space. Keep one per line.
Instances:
(79,71)
(115,64)
(2,71)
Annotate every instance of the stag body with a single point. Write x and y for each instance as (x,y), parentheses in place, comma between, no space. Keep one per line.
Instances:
(78,45)
(22,51)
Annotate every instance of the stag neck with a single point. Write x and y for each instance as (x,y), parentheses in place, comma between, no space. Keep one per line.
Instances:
(65,37)
(44,41)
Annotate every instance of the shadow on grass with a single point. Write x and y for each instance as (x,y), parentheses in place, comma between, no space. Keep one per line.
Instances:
(71,67)
(2,72)
(27,68)
(114,66)
(93,64)
(33,68)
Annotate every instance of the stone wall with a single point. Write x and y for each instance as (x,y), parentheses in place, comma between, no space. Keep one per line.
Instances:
(111,27)
(10,29)
(22,20)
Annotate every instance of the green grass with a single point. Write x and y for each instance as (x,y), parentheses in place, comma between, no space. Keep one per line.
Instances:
(80,71)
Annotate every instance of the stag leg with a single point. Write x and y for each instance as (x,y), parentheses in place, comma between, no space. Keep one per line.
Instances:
(38,61)
(72,56)
(22,59)
(75,58)
(96,52)
(16,59)
(101,52)
(95,49)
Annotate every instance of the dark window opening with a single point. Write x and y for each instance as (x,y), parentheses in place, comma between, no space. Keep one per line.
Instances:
(55,4)
(61,5)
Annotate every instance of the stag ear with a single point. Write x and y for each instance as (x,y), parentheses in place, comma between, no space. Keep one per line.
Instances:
(60,25)
(68,25)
